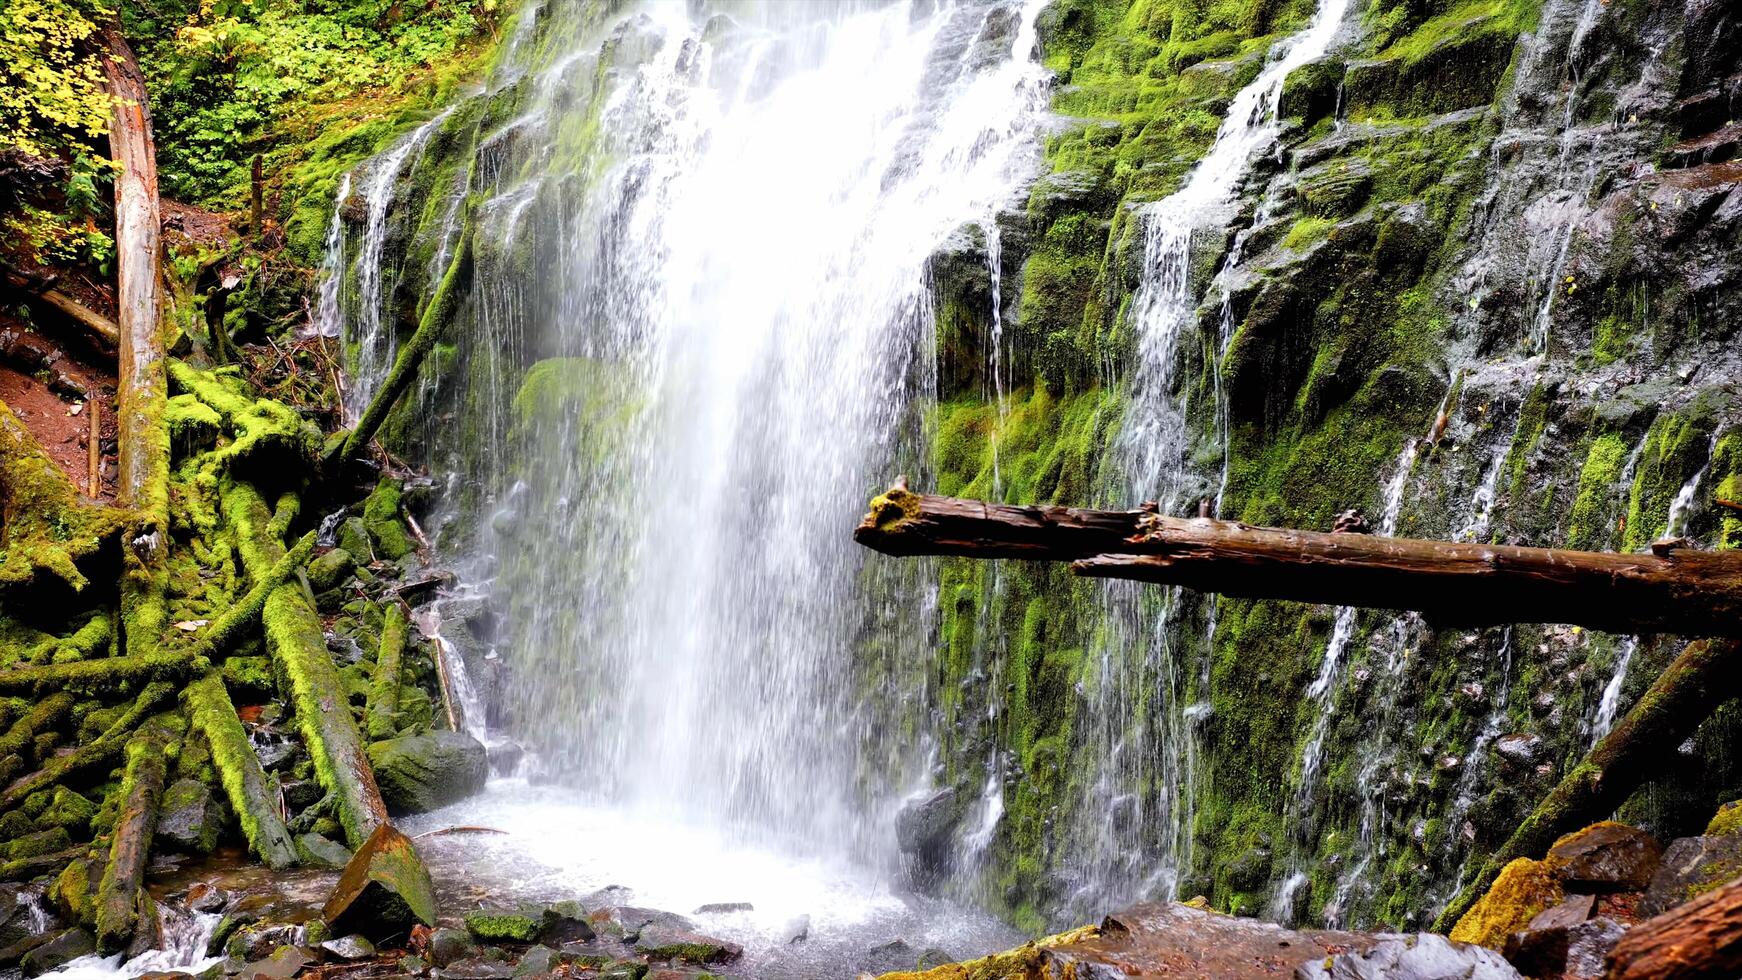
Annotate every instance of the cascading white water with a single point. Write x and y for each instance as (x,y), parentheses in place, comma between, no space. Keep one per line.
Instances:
(743,337)
(1141,658)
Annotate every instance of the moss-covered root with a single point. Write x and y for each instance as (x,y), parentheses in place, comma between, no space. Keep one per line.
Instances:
(103,674)
(384,691)
(298,645)
(405,367)
(93,753)
(1682,697)
(85,642)
(40,718)
(239,771)
(119,895)
(229,627)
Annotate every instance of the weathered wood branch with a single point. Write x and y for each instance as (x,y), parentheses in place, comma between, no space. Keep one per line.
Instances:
(239,770)
(143,439)
(119,894)
(1700,940)
(1683,591)
(1683,696)
(45,293)
(436,315)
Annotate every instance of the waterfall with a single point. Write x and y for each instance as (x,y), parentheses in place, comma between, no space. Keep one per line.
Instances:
(735,344)
(1143,654)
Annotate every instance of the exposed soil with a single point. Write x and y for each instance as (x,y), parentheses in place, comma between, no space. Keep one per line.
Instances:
(60,420)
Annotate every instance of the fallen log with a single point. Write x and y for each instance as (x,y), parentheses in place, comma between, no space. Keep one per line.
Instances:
(296,641)
(23,869)
(239,771)
(41,717)
(1700,940)
(119,894)
(1683,696)
(410,358)
(96,752)
(103,674)
(1682,590)
(383,701)
(45,293)
(143,390)
(228,628)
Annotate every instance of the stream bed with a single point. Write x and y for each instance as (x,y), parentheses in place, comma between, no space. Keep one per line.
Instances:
(554,844)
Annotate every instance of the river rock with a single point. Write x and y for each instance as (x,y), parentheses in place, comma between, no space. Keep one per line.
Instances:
(666,943)
(58,952)
(1419,957)
(627,921)
(798,930)
(1606,857)
(384,891)
(537,961)
(420,773)
(897,955)
(350,948)
(448,945)
(330,569)
(189,819)
(566,922)
(321,851)
(723,908)
(1691,866)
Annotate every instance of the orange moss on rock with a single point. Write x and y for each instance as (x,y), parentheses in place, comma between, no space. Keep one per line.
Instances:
(1523,889)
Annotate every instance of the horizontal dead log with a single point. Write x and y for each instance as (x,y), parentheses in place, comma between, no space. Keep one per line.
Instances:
(1679,590)
(103,674)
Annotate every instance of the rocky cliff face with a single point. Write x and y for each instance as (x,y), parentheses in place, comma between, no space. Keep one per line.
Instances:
(1483,286)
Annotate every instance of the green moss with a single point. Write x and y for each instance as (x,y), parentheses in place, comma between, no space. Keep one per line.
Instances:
(48,528)
(384,522)
(1306,231)
(490,927)
(1675,449)
(1588,524)
(1523,889)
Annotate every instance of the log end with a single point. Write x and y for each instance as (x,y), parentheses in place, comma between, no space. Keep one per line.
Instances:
(890,511)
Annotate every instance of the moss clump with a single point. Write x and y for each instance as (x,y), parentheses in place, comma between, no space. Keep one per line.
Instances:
(47,527)
(1588,524)
(1523,889)
(385,523)
(1728,820)
(69,810)
(495,927)
(1021,963)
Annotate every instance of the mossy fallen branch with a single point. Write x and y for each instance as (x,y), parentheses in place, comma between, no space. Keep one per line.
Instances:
(41,717)
(295,640)
(383,702)
(25,868)
(119,895)
(1683,696)
(103,674)
(405,367)
(239,770)
(229,628)
(93,753)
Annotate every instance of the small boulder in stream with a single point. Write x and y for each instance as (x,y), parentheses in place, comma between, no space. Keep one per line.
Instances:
(420,773)
(666,943)
(1420,957)
(189,818)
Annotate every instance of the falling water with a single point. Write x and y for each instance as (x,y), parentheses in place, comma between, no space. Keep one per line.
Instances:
(1143,654)
(739,354)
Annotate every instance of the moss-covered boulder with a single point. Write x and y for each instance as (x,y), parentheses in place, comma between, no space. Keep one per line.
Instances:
(1523,889)
(189,819)
(385,523)
(330,569)
(354,539)
(68,809)
(500,926)
(419,773)
(384,891)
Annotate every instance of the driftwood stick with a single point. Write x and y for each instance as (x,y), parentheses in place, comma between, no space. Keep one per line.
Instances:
(94,451)
(1683,696)
(1683,591)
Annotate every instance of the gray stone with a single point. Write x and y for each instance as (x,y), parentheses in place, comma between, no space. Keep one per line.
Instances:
(354,539)
(1607,857)
(1420,957)
(1588,946)
(322,852)
(189,819)
(476,968)
(1690,866)
(449,945)
(723,908)
(924,824)
(537,960)
(420,773)
(350,948)
(206,897)
(58,952)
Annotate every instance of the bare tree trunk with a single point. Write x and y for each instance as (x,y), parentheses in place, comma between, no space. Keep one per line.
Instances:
(143,484)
